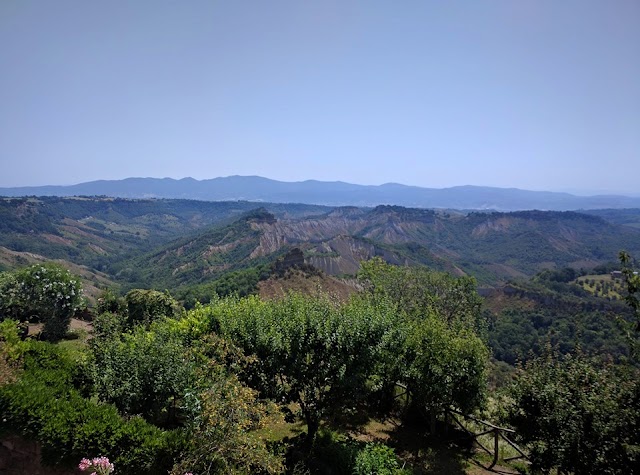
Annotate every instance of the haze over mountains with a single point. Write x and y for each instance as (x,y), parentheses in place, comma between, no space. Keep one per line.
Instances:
(254,188)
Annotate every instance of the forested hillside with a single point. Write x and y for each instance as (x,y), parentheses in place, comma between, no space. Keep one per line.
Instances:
(169,243)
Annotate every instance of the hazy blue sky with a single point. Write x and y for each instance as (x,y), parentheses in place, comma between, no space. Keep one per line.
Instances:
(541,95)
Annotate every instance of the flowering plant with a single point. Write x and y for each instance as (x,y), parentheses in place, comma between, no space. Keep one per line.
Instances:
(97,466)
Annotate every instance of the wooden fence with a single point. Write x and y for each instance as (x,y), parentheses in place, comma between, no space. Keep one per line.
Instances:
(451,415)
(496,431)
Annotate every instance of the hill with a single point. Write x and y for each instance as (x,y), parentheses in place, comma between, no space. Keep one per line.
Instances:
(528,315)
(628,217)
(101,231)
(254,188)
(172,243)
(493,247)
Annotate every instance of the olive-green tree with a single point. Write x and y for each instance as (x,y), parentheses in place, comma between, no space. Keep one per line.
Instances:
(311,351)
(577,417)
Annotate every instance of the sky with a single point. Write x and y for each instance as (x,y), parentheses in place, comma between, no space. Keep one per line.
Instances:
(540,95)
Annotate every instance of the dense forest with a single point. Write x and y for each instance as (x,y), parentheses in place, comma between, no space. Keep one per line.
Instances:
(183,359)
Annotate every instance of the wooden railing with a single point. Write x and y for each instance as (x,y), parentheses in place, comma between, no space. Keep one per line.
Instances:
(452,415)
(497,432)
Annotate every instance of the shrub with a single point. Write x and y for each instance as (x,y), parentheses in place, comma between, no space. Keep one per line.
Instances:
(10,351)
(69,426)
(143,372)
(376,459)
(342,455)
(42,292)
(144,306)
(577,417)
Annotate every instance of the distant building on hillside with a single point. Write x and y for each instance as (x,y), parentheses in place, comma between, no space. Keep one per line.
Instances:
(616,274)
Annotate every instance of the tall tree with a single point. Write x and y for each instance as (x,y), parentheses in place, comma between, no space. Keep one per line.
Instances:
(310,351)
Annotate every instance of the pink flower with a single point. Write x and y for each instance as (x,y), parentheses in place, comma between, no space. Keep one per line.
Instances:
(84,464)
(97,465)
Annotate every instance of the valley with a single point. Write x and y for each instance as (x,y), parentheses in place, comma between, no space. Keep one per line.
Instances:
(522,283)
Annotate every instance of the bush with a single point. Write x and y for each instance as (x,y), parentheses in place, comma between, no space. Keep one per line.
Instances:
(45,406)
(342,455)
(376,459)
(577,417)
(10,351)
(142,372)
(145,306)
(42,292)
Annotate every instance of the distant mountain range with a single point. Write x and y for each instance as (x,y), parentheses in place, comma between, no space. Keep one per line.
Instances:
(254,188)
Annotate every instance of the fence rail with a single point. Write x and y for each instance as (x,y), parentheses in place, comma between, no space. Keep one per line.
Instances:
(497,431)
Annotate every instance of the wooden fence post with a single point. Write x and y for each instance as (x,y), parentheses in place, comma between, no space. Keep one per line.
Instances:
(496,451)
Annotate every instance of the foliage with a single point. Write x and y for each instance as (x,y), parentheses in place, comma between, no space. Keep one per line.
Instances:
(526,316)
(111,303)
(144,372)
(633,287)
(240,282)
(45,406)
(376,459)
(42,292)
(223,437)
(172,374)
(577,417)
(341,455)
(144,306)
(445,367)
(518,334)
(11,351)
(9,296)
(419,291)
(566,274)
(444,361)
(310,351)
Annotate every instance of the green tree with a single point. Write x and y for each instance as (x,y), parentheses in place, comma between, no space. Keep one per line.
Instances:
(310,351)
(445,367)
(419,291)
(444,360)
(577,417)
